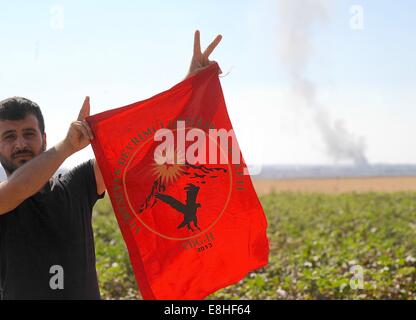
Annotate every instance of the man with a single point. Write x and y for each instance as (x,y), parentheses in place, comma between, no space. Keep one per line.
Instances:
(46,236)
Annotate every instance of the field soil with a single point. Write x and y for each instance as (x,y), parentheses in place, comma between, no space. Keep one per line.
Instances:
(337,185)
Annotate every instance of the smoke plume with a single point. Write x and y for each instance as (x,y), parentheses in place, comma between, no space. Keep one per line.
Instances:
(298,18)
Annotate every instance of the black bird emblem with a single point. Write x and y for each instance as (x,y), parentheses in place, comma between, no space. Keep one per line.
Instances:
(188,209)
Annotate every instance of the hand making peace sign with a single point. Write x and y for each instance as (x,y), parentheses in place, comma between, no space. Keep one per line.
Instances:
(200,60)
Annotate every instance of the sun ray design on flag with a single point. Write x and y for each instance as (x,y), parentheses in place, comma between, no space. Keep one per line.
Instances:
(169,165)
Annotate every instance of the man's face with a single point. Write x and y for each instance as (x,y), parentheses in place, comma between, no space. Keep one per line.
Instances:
(20,141)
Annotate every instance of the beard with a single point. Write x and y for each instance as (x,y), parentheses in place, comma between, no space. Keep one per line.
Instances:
(10,167)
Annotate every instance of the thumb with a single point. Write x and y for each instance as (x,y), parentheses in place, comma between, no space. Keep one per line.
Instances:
(85,109)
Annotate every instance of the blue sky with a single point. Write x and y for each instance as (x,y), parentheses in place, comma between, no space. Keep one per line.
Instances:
(119,52)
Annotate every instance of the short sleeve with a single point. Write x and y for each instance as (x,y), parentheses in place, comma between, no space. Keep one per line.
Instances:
(81,180)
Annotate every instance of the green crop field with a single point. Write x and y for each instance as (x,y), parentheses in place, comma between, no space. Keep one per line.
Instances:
(315,240)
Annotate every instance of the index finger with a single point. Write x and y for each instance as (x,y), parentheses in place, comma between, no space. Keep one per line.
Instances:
(212,46)
(85,109)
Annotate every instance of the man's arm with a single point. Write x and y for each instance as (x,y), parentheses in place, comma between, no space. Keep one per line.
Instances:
(33,175)
(23,183)
(98,178)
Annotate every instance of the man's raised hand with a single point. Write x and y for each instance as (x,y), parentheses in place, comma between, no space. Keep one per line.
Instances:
(79,134)
(200,59)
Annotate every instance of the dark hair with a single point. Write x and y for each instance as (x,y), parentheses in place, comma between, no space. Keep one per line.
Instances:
(17,108)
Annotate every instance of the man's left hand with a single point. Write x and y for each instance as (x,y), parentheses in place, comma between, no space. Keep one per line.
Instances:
(200,60)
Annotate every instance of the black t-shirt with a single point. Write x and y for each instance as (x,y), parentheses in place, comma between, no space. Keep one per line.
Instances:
(51,228)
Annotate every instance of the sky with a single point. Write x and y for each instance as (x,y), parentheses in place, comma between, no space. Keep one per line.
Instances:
(119,52)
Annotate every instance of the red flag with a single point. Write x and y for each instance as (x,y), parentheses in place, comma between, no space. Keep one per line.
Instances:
(193,225)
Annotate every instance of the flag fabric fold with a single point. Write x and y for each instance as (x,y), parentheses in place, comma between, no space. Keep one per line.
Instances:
(186,207)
